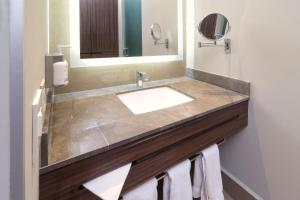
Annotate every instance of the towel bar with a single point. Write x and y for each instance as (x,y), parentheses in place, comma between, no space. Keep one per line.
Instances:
(193,158)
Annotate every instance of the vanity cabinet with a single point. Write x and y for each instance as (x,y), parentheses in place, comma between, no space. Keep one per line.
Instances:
(151,155)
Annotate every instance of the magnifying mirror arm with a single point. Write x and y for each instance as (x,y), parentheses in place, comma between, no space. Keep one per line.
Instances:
(207,44)
(166,43)
(226,45)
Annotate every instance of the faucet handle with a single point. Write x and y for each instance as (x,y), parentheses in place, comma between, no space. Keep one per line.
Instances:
(141,74)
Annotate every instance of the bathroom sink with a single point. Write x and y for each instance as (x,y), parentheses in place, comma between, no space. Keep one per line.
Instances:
(153,99)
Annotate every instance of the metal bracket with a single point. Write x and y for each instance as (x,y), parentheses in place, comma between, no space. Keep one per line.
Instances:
(226,45)
(166,43)
(207,44)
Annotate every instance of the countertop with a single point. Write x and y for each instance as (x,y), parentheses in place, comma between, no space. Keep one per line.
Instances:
(90,123)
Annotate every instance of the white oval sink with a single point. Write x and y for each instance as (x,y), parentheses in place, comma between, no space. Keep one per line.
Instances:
(153,99)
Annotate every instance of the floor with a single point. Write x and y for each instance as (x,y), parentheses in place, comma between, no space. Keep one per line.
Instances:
(227,197)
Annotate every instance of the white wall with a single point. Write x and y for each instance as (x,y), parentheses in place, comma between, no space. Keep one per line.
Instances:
(4,101)
(165,14)
(265,51)
(35,48)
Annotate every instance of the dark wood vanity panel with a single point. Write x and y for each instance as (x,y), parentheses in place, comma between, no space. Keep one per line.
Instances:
(150,155)
(99,34)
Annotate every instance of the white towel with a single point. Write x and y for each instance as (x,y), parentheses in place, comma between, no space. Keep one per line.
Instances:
(198,186)
(177,183)
(212,173)
(146,191)
(109,186)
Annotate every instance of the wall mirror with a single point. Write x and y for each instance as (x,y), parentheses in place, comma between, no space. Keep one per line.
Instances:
(107,32)
(214,26)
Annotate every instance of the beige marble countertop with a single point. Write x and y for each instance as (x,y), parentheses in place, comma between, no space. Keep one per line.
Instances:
(83,125)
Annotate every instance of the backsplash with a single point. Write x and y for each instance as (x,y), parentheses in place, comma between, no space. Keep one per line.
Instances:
(89,78)
(239,86)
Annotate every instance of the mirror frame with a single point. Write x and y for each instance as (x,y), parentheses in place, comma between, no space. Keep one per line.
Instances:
(199,28)
(76,62)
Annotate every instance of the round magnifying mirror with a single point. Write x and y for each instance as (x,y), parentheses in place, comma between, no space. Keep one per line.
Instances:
(214,26)
(156,32)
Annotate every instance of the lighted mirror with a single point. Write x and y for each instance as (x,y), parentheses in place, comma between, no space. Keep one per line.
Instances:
(214,26)
(103,32)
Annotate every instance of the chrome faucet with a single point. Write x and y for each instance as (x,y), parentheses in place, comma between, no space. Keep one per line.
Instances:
(141,77)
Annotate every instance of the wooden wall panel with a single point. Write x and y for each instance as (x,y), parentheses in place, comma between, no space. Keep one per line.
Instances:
(99,28)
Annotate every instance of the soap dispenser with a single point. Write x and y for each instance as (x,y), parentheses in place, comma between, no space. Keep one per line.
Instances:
(57,68)
(60,69)
(60,73)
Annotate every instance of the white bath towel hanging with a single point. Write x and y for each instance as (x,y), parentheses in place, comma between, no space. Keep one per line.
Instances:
(146,191)
(177,183)
(212,173)
(198,186)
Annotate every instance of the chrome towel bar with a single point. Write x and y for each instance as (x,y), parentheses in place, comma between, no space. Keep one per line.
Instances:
(192,159)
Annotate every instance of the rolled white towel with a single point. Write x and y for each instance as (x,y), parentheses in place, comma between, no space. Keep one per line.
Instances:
(212,173)
(198,186)
(177,183)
